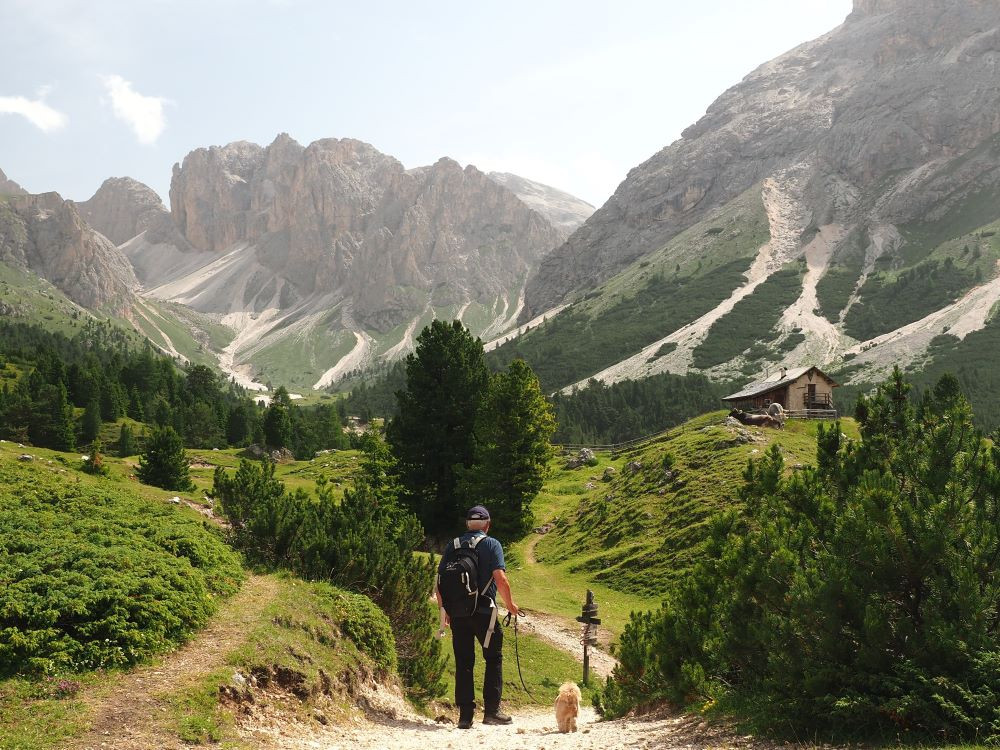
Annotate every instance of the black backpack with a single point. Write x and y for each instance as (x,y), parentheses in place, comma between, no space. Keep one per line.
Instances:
(458,581)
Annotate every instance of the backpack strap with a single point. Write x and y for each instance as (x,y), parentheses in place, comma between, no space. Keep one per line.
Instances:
(476,540)
(493,624)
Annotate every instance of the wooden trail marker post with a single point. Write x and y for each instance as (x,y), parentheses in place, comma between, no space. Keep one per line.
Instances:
(590,621)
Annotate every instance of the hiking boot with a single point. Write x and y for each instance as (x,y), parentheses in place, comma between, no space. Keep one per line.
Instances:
(497,717)
(465,720)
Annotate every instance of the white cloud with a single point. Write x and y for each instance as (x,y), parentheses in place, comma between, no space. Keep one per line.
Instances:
(144,114)
(36,111)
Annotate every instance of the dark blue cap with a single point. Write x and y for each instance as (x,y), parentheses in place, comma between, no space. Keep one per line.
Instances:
(478,513)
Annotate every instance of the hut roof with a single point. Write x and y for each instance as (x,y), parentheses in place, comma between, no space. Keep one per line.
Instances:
(778,380)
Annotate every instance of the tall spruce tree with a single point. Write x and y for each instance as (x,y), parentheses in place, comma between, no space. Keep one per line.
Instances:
(164,463)
(90,425)
(433,437)
(126,443)
(513,428)
(52,424)
(278,420)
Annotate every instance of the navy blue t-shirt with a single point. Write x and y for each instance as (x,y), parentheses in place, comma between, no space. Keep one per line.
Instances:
(490,554)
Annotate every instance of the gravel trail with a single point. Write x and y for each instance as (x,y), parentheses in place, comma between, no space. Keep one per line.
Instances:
(533,729)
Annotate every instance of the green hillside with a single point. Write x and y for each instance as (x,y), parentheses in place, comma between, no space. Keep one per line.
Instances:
(663,291)
(94,575)
(641,530)
(31,299)
(175,328)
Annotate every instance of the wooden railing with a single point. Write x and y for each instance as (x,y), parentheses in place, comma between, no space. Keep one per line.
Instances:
(812,414)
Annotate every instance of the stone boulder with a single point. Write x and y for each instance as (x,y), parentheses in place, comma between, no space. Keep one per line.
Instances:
(584,458)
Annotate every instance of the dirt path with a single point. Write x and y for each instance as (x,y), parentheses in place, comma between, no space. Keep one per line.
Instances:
(534,729)
(562,632)
(133,714)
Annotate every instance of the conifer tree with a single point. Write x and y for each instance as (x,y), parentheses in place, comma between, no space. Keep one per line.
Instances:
(126,443)
(164,463)
(433,436)
(278,420)
(90,425)
(857,595)
(513,428)
(52,423)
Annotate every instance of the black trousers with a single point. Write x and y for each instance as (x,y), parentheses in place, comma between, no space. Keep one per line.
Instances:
(465,631)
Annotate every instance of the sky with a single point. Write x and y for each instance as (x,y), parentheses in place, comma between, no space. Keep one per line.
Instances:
(572,94)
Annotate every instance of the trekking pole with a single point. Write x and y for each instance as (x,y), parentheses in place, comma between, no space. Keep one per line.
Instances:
(517,655)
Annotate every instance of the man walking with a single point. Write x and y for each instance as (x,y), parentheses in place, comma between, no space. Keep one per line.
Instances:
(471,573)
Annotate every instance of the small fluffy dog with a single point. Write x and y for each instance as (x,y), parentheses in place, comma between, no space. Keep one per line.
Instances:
(567,707)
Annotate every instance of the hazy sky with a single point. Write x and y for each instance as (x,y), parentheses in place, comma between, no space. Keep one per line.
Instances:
(569,93)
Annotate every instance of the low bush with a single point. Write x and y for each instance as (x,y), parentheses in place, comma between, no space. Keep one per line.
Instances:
(364,544)
(92,576)
(857,597)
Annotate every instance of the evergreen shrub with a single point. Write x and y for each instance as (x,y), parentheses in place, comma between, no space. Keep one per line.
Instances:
(94,577)
(857,597)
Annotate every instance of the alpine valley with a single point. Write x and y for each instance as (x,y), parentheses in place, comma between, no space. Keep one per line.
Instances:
(840,207)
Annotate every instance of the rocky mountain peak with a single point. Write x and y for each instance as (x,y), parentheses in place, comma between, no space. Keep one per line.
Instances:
(9,187)
(46,235)
(904,83)
(122,208)
(340,215)
(566,212)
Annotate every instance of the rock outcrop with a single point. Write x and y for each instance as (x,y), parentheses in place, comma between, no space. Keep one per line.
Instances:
(565,211)
(9,187)
(122,208)
(46,235)
(340,218)
(900,86)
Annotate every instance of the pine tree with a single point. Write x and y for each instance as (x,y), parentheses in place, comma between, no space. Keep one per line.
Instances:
(163,463)
(52,423)
(278,420)
(135,408)
(90,425)
(239,425)
(203,429)
(857,595)
(513,428)
(126,443)
(433,435)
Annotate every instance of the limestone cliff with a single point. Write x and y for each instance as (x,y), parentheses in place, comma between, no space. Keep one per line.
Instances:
(9,187)
(122,208)
(46,235)
(340,218)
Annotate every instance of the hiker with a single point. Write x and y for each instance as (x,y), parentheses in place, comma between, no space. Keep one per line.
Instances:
(471,572)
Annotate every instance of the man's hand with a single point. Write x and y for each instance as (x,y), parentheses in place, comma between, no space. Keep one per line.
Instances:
(503,588)
(446,620)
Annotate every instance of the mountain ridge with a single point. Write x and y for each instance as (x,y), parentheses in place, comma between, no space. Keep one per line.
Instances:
(808,104)
(874,149)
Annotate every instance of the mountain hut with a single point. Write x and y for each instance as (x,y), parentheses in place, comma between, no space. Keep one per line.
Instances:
(803,392)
